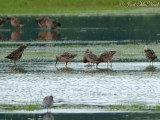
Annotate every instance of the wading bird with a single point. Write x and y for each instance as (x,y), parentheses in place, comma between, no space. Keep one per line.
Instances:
(65,57)
(2,22)
(41,22)
(107,57)
(52,24)
(48,102)
(15,22)
(92,58)
(17,54)
(150,54)
(84,58)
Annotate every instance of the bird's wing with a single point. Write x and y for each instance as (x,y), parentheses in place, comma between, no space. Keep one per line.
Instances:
(14,54)
(151,53)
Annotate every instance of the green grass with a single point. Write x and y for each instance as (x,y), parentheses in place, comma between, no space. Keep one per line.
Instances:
(67,6)
(129,52)
(134,107)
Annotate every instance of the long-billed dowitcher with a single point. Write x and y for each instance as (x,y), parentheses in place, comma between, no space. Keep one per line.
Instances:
(65,57)
(84,58)
(15,22)
(52,24)
(92,58)
(150,54)
(107,57)
(16,54)
(41,22)
(48,102)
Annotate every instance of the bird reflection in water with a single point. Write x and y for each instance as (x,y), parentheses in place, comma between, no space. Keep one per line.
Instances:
(48,35)
(3,38)
(18,70)
(16,35)
(150,69)
(48,116)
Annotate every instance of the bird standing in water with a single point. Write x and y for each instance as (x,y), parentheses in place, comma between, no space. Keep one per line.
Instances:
(52,24)
(84,58)
(15,22)
(150,54)
(17,54)
(48,102)
(65,57)
(92,58)
(107,57)
(41,22)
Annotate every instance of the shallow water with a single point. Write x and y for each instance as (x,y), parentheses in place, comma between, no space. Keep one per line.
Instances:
(36,76)
(124,83)
(82,116)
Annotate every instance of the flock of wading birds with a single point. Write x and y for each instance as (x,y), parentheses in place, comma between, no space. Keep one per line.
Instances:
(66,57)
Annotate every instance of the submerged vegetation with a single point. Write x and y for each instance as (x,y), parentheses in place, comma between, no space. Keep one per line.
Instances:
(101,108)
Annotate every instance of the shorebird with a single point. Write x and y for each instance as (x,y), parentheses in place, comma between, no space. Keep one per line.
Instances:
(15,22)
(92,58)
(65,57)
(150,54)
(48,102)
(16,54)
(2,22)
(41,22)
(52,24)
(107,57)
(84,58)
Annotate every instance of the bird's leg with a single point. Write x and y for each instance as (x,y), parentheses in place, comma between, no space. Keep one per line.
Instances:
(107,64)
(14,63)
(152,63)
(56,63)
(111,64)
(66,64)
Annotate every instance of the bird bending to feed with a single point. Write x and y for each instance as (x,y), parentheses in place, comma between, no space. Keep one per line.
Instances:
(15,22)
(2,22)
(65,57)
(150,54)
(17,54)
(48,102)
(52,24)
(84,58)
(107,57)
(41,22)
(92,58)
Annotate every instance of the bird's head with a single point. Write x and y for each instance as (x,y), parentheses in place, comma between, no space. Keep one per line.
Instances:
(145,48)
(10,18)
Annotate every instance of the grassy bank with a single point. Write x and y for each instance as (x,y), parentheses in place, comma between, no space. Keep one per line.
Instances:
(73,6)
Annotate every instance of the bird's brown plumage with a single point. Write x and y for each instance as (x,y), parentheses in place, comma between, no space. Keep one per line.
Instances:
(17,54)
(15,22)
(41,22)
(150,54)
(52,24)
(2,22)
(65,57)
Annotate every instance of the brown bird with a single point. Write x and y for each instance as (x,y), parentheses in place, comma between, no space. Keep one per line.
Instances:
(65,57)
(92,58)
(15,22)
(107,57)
(2,22)
(48,102)
(150,54)
(41,22)
(84,58)
(17,54)
(52,24)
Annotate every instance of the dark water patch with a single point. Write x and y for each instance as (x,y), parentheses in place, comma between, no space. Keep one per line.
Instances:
(82,116)
(102,28)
